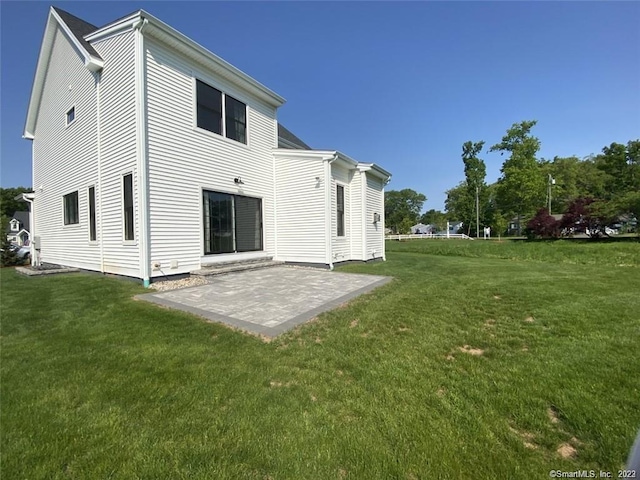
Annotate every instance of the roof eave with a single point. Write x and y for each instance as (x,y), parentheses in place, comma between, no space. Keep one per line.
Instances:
(160,28)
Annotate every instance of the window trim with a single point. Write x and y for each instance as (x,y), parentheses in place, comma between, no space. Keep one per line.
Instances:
(338,223)
(15,225)
(92,214)
(66,116)
(224,94)
(65,220)
(125,240)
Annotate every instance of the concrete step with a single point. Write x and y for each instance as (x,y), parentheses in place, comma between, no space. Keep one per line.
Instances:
(229,267)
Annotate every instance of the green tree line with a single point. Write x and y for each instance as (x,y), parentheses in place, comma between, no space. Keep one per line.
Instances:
(609,182)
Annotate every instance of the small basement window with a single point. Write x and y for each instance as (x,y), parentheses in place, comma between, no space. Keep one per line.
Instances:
(71,115)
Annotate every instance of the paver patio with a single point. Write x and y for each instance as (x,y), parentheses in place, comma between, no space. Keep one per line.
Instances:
(268,301)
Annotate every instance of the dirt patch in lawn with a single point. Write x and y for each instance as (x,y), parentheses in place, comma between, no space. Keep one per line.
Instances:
(529,320)
(476,352)
(354,323)
(490,323)
(566,450)
(526,437)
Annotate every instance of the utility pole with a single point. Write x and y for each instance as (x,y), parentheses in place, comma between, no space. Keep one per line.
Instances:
(552,181)
(477,214)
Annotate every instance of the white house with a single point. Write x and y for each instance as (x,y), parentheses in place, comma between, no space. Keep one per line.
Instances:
(18,228)
(153,156)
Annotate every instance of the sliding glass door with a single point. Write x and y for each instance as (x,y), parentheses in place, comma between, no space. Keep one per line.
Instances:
(232,223)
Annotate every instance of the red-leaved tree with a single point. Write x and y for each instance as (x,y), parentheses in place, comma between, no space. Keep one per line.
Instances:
(544,225)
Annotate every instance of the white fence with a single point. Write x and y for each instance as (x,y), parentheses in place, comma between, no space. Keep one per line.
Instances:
(428,235)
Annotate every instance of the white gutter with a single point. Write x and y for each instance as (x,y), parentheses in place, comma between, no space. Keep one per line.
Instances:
(142,154)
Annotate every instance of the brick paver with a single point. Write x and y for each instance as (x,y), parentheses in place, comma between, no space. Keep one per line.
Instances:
(268,301)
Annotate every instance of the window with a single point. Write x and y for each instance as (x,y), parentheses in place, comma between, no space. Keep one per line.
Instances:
(71,208)
(209,104)
(235,119)
(340,209)
(15,225)
(92,214)
(127,200)
(232,223)
(209,107)
(71,115)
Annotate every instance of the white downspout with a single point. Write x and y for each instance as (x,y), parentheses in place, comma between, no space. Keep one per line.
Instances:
(363,189)
(142,159)
(327,209)
(275,200)
(32,232)
(99,231)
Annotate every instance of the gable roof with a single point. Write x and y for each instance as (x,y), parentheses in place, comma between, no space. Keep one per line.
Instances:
(74,31)
(79,28)
(288,140)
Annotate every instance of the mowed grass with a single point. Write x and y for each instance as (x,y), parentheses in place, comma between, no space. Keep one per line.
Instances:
(465,366)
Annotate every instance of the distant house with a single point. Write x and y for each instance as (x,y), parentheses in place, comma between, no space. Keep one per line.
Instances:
(455,227)
(422,228)
(18,229)
(154,156)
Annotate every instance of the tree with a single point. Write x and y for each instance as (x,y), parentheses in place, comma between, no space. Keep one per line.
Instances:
(522,187)
(544,225)
(458,205)
(402,208)
(590,216)
(434,217)
(9,205)
(475,172)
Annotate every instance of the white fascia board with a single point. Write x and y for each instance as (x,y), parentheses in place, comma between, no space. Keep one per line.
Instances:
(25,196)
(163,32)
(120,26)
(91,62)
(375,170)
(310,154)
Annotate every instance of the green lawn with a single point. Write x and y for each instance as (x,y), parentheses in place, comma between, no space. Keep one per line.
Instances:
(96,385)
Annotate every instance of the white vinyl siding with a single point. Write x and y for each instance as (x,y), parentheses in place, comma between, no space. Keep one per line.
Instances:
(118,152)
(185,160)
(300,200)
(65,157)
(356,215)
(375,231)
(341,245)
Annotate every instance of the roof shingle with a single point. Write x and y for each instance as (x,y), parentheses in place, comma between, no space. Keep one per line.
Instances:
(79,28)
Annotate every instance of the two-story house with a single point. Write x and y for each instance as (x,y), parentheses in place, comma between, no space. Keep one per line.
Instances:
(153,156)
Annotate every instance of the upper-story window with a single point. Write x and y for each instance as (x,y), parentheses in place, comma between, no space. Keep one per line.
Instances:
(15,225)
(220,113)
(71,115)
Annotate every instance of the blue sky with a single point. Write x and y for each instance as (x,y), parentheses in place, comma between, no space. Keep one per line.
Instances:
(401,84)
